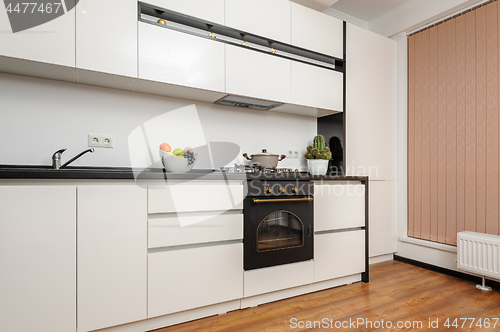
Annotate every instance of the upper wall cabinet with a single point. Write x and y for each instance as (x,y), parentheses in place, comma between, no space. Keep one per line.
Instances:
(51,42)
(317,87)
(270,19)
(105,42)
(371,104)
(179,58)
(317,32)
(210,10)
(258,75)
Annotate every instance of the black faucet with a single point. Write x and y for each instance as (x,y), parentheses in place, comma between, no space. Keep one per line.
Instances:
(56,158)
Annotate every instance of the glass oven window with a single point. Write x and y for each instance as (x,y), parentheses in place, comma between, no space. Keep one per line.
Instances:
(280,230)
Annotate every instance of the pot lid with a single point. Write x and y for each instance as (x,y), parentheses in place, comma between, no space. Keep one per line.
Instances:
(264,153)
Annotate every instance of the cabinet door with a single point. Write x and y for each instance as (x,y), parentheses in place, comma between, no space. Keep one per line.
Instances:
(38,258)
(258,75)
(209,10)
(174,57)
(270,19)
(371,104)
(338,254)
(338,206)
(189,278)
(317,32)
(105,42)
(112,255)
(51,42)
(317,87)
(383,217)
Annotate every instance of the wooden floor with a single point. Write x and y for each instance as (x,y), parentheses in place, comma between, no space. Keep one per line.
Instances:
(397,292)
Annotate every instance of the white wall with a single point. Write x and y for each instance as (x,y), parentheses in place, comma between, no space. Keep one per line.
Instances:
(41,116)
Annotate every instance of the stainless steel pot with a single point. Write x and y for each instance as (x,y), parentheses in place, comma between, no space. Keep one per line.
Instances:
(265,159)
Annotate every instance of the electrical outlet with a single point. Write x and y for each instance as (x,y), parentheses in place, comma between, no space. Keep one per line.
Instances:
(293,154)
(94,141)
(107,141)
(100,141)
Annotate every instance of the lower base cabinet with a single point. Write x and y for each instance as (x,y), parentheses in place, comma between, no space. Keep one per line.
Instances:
(338,254)
(112,255)
(274,278)
(37,258)
(187,278)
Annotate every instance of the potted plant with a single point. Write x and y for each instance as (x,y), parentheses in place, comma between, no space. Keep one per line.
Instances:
(318,156)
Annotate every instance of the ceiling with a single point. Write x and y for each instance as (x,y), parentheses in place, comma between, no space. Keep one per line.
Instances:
(367,10)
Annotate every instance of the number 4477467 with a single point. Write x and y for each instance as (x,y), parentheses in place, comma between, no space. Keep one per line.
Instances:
(472,322)
(33,7)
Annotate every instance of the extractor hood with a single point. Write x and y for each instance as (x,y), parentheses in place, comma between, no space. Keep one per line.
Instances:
(245,102)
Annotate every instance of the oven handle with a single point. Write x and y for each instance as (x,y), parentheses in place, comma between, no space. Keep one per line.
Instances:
(272,200)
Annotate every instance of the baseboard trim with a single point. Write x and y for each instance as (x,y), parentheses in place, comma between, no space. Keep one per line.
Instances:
(456,274)
(381,258)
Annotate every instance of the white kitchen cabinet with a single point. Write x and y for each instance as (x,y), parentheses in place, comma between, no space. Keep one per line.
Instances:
(371,86)
(170,230)
(270,19)
(338,205)
(38,258)
(192,196)
(194,277)
(106,36)
(274,278)
(112,255)
(51,42)
(317,32)
(383,217)
(339,254)
(317,87)
(258,75)
(209,10)
(179,58)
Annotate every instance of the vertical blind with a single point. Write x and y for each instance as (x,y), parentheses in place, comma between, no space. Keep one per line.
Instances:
(453,127)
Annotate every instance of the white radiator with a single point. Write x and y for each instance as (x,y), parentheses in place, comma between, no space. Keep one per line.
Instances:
(479,253)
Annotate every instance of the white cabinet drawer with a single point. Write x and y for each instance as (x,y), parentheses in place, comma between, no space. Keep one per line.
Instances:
(209,10)
(273,18)
(338,254)
(258,75)
(196,196)
(178,58)
(191,229)
(317,87)
(275,278)
(190,278)
(317,32)
(338,206)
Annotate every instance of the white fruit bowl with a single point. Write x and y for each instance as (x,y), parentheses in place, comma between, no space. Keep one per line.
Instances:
(175,164)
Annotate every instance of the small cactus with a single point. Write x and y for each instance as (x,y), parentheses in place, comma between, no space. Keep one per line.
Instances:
(318,150)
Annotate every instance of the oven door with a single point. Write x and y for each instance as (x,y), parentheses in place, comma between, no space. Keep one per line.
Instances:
(277,231)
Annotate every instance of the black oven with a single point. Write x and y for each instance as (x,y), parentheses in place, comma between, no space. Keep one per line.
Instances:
(278,223)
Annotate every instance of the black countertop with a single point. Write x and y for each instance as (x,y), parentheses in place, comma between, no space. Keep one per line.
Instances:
(126,173)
